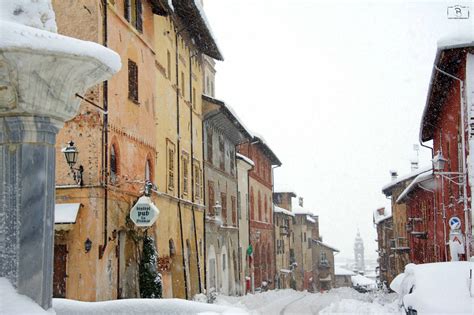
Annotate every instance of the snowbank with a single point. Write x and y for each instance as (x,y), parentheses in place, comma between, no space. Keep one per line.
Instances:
(12,303)
(140,306)
(348,306)
(360,280)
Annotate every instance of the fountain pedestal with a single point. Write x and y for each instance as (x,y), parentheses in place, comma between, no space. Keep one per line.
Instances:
(40,73)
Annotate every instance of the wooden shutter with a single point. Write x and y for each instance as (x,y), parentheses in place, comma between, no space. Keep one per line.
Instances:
(139,16)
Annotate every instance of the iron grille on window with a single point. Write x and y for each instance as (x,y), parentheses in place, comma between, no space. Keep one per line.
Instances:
(132,81)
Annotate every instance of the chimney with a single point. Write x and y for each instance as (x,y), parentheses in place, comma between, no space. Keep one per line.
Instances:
(300,201)
(393,174)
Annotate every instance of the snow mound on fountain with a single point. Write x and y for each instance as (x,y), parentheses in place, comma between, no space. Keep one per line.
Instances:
(34,13)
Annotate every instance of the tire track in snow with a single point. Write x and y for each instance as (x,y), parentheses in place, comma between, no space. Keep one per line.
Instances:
(283,310)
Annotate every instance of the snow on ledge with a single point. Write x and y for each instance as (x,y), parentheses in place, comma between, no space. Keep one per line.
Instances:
(21,37)
(284,211)
(245,159)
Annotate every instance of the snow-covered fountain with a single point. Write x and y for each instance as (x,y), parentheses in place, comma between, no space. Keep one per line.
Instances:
(40,73)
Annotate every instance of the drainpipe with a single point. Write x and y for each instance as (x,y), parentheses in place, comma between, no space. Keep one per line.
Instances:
(192,165)
(179,164)
(273,223)
(464,168)
(105,139)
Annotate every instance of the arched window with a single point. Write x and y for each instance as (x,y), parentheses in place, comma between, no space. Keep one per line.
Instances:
(172,248)
(114,160)
(252,204)
(148,170)
(259,206)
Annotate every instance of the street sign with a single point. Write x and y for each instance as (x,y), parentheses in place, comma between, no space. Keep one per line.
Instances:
(455,223)
(144,213)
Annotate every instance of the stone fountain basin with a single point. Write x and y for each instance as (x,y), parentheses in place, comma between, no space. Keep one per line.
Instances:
(40,71)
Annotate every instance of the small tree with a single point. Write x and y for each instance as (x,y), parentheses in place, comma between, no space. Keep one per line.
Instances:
(150,278)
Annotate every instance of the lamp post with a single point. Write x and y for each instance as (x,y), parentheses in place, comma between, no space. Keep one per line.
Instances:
(71,153)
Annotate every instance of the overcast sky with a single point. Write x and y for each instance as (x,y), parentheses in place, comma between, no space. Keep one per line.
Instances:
(337,89)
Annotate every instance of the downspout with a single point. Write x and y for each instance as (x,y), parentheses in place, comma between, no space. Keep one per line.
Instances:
(273,223)
(178,145)
(192,165)
(464,168)
(105,139)
(205,209)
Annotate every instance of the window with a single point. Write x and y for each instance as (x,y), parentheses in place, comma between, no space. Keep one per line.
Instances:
(239,205)
(113,163)
(171,247)
(133,13)
(304,236)
(197,181)
(182,85)
(168,64)
(233,207)
(209,144)
(132,81)
(212,200)
(232,161)
(265,209)
(170,163)
(224,208)
(259,206)
(223,262)
(221,153)
(147,170)
(252,203)
(185,165)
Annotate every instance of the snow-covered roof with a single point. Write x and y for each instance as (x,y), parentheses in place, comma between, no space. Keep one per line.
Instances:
(419,180)
(326,245)
(245,159)
(449,57)
(196,22)
(381,217)
(310,219)
(282,188)
(257,138)
(66,212)
(339,271)
(284,211)
(386,188)
(297,209)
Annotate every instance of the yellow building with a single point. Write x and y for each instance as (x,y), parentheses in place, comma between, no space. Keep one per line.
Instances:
(144,124)
(182,37)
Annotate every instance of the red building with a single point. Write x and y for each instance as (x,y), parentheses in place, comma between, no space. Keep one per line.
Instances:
(262,237)
(434,199)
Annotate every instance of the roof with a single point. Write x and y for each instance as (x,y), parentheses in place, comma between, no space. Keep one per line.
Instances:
(326,245)
(284,211)
(245,159)
(192,14)
(381,217)
(425,178)
(66,213)
(449,53)
(224,116)
(387,189)
(281,190)
(266,149)
(339,271)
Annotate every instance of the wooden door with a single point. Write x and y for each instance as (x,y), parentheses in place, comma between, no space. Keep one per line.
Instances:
(59,275)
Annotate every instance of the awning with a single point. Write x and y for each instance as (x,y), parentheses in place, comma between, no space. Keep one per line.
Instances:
(66,213)
(328,278)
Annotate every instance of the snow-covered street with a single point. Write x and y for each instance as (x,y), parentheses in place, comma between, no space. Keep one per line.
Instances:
(341,300)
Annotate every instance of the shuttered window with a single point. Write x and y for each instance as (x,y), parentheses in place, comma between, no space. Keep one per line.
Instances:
(133,13)
(132,81)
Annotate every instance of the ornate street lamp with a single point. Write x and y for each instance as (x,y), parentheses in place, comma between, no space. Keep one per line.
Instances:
(439,161)
(71,153)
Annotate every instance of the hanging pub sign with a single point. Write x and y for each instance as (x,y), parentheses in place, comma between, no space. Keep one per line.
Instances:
(144,213)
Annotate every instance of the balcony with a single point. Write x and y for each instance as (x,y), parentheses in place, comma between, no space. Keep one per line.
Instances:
(324,264)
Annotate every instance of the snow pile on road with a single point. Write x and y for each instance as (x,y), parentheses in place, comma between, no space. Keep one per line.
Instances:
(140,306)
(289,301)
(360,280)
(13,303)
